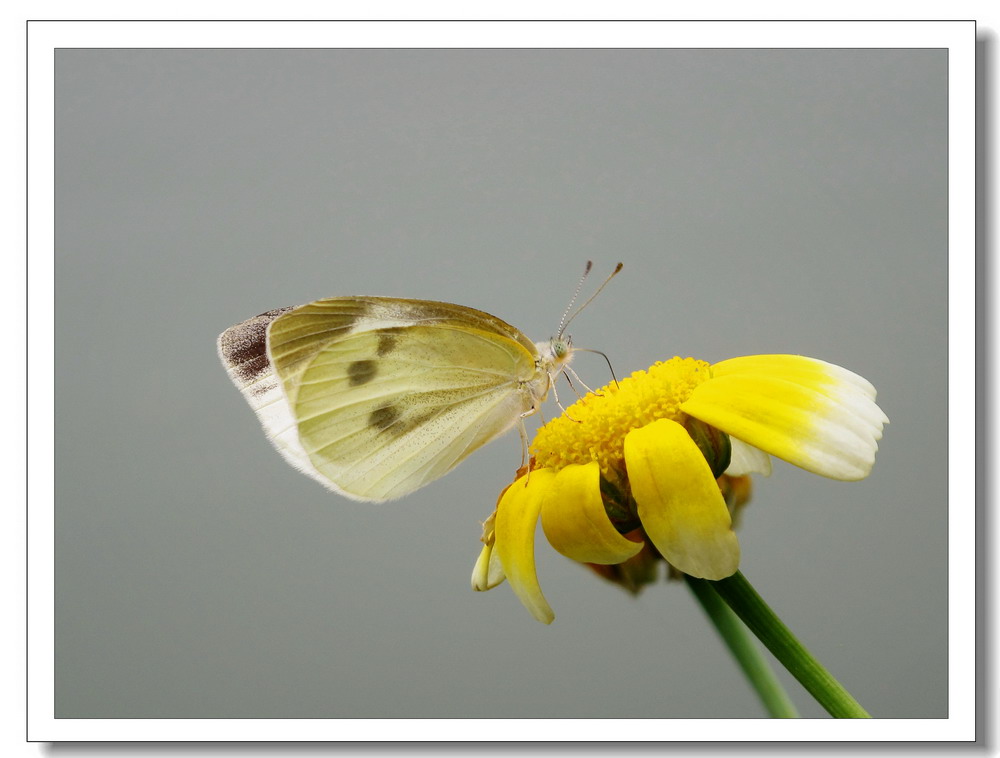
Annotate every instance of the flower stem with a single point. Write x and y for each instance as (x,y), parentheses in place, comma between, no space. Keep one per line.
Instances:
(739,595)
(750,658)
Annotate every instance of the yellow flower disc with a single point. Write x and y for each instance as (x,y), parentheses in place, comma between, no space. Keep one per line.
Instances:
(594,427)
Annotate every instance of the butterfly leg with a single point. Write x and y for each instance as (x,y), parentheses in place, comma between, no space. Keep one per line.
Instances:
(568,372)
(524,439)
(555,394)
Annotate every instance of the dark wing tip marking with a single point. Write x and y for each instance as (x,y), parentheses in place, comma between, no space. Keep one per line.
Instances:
(243,347)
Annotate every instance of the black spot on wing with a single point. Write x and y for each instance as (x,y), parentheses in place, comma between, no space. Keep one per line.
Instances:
(387,339)
(382,418)
(390,416)
(361,372)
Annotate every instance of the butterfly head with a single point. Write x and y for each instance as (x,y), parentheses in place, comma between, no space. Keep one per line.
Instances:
(554,354)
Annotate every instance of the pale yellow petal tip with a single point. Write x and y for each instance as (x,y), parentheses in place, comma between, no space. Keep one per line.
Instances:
(746,459)
(845,444)
(488,572)
(545,614)
(712,560)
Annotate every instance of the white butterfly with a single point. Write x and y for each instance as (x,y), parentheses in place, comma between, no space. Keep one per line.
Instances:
(375,397)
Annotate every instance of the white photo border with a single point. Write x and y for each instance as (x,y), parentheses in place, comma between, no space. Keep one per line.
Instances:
(958,37)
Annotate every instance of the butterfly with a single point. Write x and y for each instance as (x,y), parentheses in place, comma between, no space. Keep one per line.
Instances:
(375,397)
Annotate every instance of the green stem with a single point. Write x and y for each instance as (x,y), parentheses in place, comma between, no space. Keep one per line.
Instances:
(739,595)
(748,655)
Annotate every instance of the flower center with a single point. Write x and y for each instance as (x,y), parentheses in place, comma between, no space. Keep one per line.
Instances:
(594,427)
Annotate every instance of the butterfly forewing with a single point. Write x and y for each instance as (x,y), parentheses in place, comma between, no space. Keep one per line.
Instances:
(389,395)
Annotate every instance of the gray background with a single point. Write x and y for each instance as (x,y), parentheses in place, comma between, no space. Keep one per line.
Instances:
(762,201)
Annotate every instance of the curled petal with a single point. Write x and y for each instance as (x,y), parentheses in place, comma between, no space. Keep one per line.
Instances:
(746,459)
(517,517)
(575,521)
(816,415)
(488,572)
(679,502)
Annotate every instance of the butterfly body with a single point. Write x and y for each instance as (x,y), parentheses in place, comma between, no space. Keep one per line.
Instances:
(375,397)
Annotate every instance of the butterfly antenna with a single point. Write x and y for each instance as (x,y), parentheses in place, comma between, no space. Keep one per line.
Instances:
(607,360)
(564,322)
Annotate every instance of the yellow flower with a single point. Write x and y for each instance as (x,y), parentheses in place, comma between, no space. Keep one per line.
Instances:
(645,458)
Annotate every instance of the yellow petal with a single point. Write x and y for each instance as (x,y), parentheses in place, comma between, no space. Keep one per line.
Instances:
(813,414)
(679,502)
(517,517)
(799,368)
(575,521)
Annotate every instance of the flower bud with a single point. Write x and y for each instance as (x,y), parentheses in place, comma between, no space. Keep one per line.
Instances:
(736,491)
(635,573)
(714,445)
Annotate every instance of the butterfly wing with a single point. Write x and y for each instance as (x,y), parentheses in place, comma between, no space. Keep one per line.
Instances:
(383,396)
